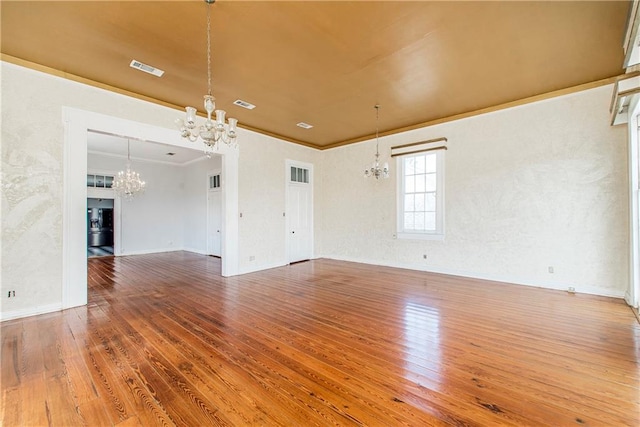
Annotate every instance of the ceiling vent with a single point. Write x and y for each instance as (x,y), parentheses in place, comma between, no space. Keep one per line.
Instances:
(146,68)
(304,125)
(244,104)
(171,154)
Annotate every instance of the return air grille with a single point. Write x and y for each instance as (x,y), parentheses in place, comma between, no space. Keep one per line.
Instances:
(244,104)
(146,68)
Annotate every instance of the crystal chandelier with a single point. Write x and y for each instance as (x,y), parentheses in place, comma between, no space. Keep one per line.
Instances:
(375,170)
(127,183)
(211,131)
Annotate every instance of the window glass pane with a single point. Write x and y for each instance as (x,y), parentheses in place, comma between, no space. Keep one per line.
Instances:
(431,182)
(419,202)
(409,205)
(410,168)
(306,175)
(419,221)
(409,186)
(430,163)
(430,221)
(108,181)
(293,174)
(100,181)
(91,180)
(420,164)
(430,202)
(420,183)
(408,221)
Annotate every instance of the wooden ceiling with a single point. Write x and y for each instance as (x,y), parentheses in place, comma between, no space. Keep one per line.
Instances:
(326,63)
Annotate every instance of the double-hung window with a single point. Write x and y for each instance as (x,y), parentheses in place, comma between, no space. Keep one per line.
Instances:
(421,195)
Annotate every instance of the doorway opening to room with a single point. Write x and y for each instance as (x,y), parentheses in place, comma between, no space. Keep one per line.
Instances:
(100,235)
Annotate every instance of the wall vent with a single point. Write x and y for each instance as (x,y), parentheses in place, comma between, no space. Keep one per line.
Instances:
(244,104)
(304,125)
(146,68)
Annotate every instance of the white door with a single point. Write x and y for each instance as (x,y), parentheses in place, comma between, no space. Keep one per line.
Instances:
(299,212)
(214,215)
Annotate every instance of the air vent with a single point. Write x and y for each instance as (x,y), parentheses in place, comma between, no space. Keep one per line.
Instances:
(171,154)
(304,125)
(146,68)
(244,104)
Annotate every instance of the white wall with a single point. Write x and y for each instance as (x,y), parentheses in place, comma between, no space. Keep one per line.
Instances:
(262,186)
(543,184)
(152,221)
(194,216)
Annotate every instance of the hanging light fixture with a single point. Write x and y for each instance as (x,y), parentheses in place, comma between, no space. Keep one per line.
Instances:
(211,131)
(375,170)
(127,183)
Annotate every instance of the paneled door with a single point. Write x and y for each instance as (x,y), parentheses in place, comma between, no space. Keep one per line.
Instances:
(299,211)
(214,215)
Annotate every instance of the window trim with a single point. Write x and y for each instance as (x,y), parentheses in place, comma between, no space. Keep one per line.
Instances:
(439,233)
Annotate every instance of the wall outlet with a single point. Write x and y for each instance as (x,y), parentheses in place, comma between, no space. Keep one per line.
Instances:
(424,256)
(252,258)
(551,270)
(11,294)
(571,290)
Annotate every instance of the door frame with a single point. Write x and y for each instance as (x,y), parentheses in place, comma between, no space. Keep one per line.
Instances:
(287,182)
(77,123)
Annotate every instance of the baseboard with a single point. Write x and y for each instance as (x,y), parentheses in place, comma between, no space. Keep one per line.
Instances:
(583,289)
(150,251)
(31,311)
(195,251)
(260,268)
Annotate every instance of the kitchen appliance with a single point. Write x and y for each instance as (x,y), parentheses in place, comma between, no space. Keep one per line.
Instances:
(99,227)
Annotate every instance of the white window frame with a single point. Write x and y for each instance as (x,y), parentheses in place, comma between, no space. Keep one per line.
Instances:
(438,233)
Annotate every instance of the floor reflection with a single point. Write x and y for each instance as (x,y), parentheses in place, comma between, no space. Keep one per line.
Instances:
(422,344)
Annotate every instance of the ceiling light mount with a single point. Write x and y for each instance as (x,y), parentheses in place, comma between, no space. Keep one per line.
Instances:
(375,170)
(211,131)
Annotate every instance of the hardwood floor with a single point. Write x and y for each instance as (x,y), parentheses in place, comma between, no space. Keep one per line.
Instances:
(165,340)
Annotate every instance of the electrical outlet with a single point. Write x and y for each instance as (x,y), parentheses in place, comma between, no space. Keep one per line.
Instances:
(11,294)
(551,270)
(571,290)
(424,256)
(252,258)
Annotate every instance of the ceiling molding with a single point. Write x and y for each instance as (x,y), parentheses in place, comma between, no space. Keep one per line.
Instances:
(516,103)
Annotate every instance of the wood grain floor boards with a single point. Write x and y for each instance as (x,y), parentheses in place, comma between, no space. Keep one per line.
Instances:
(165,340)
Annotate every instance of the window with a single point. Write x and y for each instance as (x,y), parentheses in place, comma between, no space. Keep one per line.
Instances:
(299,175)
(214,181)
(99,181)
(421,195)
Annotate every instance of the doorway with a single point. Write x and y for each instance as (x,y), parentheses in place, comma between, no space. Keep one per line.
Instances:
(214,214)
(100,234)
(299,211)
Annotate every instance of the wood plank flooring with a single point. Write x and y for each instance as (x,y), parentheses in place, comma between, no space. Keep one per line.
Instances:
(166,341)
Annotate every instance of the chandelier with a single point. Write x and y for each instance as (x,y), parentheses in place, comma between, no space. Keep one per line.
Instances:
(211,131)
(127,183)
(375,170)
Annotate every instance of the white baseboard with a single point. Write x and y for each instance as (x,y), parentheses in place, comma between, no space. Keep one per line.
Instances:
(31,311)
(261,267)
(583,289)
(150,251)
(195,251)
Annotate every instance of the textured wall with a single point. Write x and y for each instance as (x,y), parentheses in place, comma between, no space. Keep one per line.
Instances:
(540,185)
(262,199)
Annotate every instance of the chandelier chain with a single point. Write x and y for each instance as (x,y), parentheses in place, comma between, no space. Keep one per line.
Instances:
(209,49)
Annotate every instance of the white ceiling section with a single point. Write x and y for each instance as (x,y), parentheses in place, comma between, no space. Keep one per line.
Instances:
(112,145)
